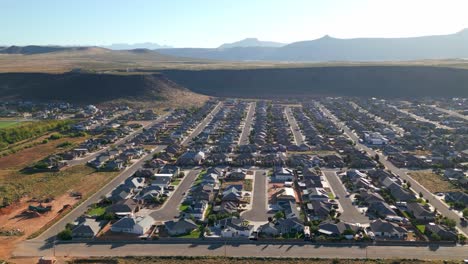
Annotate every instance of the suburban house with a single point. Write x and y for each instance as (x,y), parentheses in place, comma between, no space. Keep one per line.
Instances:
(282,174)
(384,229)
(419,212)
(433,230)
(161,180)
(286,193)
(180,226)
(234,227)
(123,208)
(337,229)
(133,225)
(88,228)
(319,210)
(282,226)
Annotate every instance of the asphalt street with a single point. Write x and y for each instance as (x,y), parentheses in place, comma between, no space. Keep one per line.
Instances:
(247,250)
(244,137)
(396,128)
(422,119)
(83,207)
(450,112)
(170,208)
(298,137)
(350,213)
(202,125)
(259,211)
(416,186)
(121,141)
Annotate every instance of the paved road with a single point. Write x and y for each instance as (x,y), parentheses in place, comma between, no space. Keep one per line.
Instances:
(422,119)
(416,186)
(170,209)
(450,112)
(259,211)
(83,207)
(298,137)
(244,137)
(396,128)
(350,213)
(209,248)
(121,141)
(202,125)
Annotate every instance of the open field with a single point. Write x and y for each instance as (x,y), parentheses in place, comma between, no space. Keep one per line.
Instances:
(28,156)
(433,182)
(51,184)
(5,124)
(28,130)
(227,260)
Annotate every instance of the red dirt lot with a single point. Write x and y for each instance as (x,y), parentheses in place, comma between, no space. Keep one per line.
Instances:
(17,216)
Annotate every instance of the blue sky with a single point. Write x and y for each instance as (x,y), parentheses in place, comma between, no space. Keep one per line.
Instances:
(209,23)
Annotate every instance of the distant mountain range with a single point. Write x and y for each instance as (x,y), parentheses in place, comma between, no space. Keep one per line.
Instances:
(452,46)
(146,45)
(333,49)
(34,49)
(251,42)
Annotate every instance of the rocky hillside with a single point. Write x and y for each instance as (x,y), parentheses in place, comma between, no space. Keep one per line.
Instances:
(94,88)
(380,81)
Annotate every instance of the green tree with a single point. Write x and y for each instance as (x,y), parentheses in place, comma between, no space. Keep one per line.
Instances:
(65,234)
(279,215)
(465,212)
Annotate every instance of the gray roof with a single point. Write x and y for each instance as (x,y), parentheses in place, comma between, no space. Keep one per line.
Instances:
(88,226)
(386,227)
(337,228)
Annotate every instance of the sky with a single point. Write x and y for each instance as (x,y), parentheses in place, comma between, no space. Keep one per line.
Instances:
(210,23)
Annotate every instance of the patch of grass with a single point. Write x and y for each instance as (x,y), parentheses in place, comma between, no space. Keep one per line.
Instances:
(97,211)
(194,234)
(433,182)
(176,182)
(183,207)
(80,178)
(5,124)
(248,185)
(421,228)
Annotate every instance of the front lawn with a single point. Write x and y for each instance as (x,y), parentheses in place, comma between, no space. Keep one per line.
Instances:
(248,185)
(97,211)
(176,182)
(183,207)
(194,234)
(421,228)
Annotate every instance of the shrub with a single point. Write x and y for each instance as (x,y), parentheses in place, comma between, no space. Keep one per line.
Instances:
(55,136)
(65,234)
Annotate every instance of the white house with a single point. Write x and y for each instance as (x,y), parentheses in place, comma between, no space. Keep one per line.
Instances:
(284,174)
(375,138)
(133,225)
